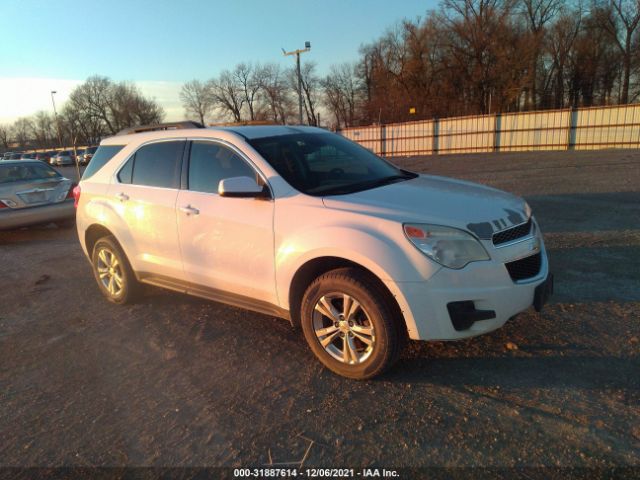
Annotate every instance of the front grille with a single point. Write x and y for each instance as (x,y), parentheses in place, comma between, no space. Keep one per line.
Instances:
(512,233)
(525,267)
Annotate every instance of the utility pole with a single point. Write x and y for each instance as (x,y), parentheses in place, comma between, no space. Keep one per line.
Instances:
(307,47)
(55,114)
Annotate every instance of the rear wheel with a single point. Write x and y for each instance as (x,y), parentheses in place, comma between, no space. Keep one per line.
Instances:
(349,324)
(113,272)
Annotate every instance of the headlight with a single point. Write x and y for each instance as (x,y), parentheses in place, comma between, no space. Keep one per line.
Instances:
(450,247)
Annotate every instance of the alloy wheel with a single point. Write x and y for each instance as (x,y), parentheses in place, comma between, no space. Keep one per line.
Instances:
(110,271)
(343,328)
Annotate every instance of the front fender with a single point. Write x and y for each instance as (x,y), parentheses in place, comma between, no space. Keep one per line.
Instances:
(390,259)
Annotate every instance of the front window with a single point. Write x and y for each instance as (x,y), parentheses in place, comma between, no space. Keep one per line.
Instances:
(326,164)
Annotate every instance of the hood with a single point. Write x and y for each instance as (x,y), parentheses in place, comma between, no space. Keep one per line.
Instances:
(439,200)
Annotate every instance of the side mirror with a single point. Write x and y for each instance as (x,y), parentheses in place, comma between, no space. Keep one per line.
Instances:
(242,187)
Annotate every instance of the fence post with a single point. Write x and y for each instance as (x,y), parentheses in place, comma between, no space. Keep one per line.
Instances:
(573,122)
(383,140)
(497,126)
(436,131)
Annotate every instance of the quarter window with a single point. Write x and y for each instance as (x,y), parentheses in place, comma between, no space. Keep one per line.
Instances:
(210,162)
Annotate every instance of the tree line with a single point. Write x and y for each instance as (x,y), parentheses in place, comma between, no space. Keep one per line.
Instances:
(466,57)
(97,108)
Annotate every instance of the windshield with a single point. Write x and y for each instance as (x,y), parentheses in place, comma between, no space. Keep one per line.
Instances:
(326,164)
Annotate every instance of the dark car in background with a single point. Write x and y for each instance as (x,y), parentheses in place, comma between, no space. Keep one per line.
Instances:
(31,193)
(87,156)
(43,157)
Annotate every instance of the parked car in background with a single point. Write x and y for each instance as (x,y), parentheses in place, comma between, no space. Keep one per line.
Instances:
(88,155)
(15,156)
(304,224)
(7,155)
(27,156)
(78,154)
(31,192)
(43,157)
(65,157)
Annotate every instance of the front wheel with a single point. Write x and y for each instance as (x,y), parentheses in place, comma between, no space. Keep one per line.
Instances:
(113,273)
(349,324)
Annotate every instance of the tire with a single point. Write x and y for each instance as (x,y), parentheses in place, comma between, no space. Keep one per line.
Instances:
(127,289)
(370,329)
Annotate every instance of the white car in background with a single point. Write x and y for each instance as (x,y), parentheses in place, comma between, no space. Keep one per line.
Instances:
(65,157)
(300,223)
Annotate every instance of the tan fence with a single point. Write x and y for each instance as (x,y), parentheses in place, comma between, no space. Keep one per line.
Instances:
(569,129)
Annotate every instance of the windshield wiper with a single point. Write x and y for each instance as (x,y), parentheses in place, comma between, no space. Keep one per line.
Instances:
(367,185)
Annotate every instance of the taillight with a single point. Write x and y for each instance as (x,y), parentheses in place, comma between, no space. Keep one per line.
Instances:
(76,195)
(2,205)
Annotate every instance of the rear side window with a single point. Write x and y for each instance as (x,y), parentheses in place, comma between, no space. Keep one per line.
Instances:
(209,163)
(100,159)
(154,165)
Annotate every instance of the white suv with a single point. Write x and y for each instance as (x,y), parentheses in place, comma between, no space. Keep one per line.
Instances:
(303,224)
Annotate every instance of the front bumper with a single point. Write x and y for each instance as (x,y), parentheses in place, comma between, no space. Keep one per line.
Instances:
(22,217)
(494,295)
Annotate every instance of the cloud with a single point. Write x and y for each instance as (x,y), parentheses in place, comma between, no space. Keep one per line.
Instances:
(24,96)
(20,97)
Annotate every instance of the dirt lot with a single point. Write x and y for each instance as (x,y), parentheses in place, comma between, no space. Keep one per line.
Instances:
(177,381)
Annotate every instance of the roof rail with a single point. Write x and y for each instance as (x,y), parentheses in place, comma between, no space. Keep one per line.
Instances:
(160,126)
(244,123)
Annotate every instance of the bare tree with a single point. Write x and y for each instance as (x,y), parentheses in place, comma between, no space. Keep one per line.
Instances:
(5,135)
(113,106)
(43,130)
(197,100)
(620,19)
(538,14)
(276,99)
(560,41)
(310,88)
(250,79)
(22,129)
(227,95)
(341,91)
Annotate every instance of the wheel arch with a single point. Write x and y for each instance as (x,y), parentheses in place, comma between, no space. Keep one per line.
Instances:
(312,269)
(94,233)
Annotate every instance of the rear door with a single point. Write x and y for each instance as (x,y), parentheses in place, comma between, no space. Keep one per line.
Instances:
(144,195)
(226,243)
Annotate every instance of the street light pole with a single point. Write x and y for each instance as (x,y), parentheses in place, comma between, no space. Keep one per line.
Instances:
(307,47)
(55,114)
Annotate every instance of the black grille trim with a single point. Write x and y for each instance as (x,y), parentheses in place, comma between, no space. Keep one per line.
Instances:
(511,234)
(524,268)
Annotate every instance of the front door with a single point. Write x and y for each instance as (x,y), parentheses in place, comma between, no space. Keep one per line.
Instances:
(226,243)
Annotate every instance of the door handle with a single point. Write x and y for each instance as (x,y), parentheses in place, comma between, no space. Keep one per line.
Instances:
(123,197)
(189,210)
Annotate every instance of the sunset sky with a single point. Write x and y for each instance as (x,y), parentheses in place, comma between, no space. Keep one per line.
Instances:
(160,44)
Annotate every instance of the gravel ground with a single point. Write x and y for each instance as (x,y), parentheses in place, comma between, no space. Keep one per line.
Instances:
(177,381)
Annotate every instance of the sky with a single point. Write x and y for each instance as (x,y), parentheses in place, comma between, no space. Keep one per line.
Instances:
(55,45)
